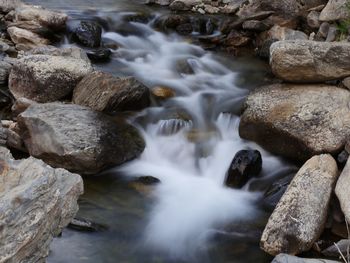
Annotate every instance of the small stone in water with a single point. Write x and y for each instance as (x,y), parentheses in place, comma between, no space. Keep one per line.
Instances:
(148,180)
(99,55)
(85,225)
(89,33)
(245,165)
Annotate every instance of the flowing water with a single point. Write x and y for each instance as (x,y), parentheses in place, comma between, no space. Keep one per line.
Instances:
(190,216)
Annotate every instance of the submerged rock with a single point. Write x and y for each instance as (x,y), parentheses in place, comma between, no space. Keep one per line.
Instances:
(297,121)
(37,202)
(300,215)
(46,75)
(85,225)
(310,61)
(245,165)
(99,55)
(77,138)
(104,92)
(88,33)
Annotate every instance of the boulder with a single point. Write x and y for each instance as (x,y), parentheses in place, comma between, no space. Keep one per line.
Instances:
(104,92)
(313,19)
(99,55)
(9,5)
(37,202)
(183,5)
(335,10)
(50,19)
(310,61)
(245,165)
(284,258)
(299,217)
(88,33)
(76,138)
(45,76)
(284,33)
(297,121)
(342,190)
(4,72)
(25,39)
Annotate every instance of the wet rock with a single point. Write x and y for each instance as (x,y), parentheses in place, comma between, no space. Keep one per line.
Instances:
(163,92)
(335,10)
(4,72)
(84,225)
(342,157)
(236,39)
(333,251)
(275,192)
(158,2)
(148,180)
(104,92)
(184,29)
(297,121)
(245,165)
(25,39)
(310,61)
(77,138)
(342,190)
(5,99)
(313,19)
(50,19)
(37,202)
(49,76)
(99,55)
(184,5)
(264,50)
(300,215)
(255,25)
(88,33)
(285,258)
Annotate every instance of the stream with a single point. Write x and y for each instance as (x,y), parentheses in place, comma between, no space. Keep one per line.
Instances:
(190,216)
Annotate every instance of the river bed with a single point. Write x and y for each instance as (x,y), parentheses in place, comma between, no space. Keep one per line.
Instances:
(190,216)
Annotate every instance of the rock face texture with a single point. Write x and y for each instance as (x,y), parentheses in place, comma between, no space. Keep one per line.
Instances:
(300,215)
(342,190)
(9,5)
(25,39)
(335,10)
(297,121)
(76,138)
(37,202)
(310,61)
(50,19)
(104,92)
(48,76)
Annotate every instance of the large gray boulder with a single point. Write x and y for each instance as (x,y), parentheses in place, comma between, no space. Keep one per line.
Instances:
(36,203)
(77,138)
(104,92)
(297,121)
(46,75)
(342,190)
(285,258)
(335,10)
(299,217)
(51,19)
(310,61)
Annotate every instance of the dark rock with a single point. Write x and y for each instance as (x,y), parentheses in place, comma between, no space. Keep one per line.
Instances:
(85,225)
(148,180)
(236,39)
(88,33)
(342,157)
(184,29)
(264,50)
(275,192)
(104,92)
(77,138)
(255,25)
(99,55)
(245,165)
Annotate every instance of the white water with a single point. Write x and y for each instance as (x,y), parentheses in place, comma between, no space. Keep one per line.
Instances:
(191,199)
